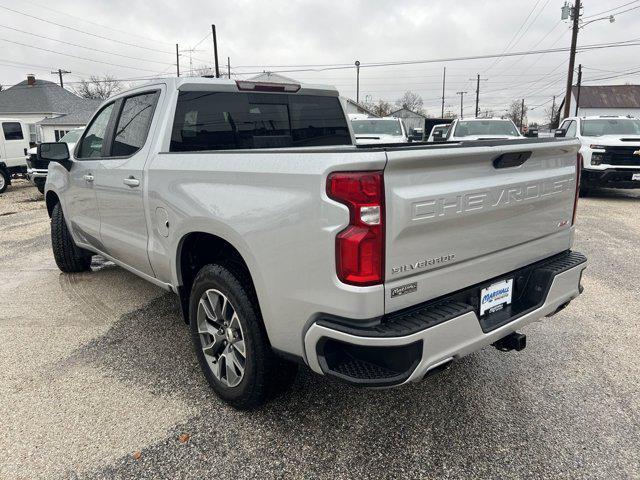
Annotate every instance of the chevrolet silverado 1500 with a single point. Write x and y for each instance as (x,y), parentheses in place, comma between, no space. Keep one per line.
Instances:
(288,244)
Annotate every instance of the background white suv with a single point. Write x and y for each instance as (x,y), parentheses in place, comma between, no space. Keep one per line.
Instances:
(610,150)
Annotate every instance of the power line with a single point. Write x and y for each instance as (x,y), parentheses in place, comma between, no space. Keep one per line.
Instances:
(97,24)
(82,31)
(611,9)
(595,46)
(82,46)
(75,56)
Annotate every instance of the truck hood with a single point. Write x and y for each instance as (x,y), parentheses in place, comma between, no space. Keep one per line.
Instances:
(612,140)
(377,138)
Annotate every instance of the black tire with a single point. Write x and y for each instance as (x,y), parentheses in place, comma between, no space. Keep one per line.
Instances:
(265,374)
(40,187)
(585,191)
(69,257)
(4,181)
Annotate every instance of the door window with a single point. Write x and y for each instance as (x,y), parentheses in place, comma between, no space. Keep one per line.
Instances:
(91,145)
(12,131)
(133,124)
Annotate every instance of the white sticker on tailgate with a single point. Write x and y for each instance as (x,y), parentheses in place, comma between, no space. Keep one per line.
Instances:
(494,295)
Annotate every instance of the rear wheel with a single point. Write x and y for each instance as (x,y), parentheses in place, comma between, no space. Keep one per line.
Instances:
(69,257)
(4,180)
(230,341)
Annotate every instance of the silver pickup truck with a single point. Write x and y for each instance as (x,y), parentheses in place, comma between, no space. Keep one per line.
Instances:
(288,244)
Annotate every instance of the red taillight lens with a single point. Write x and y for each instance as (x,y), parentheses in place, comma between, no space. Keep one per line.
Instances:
(578,173)
(360,246)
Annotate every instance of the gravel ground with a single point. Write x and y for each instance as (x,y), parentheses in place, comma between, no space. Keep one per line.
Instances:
(98,380)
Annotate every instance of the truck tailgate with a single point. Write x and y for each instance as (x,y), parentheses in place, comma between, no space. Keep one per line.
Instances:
(453,219)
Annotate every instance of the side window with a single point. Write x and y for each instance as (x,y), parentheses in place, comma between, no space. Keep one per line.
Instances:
(571,131)
(227,121)
(12,131)
(133,124)
(91,146)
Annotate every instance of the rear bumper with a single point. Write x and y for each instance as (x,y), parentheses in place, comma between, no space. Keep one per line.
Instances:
(611,177)
(406,345)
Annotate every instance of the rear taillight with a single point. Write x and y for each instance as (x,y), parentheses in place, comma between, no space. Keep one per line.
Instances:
(360,246)
(578,172)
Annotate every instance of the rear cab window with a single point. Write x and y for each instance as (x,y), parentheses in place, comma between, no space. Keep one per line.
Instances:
(230,121)
(12,131)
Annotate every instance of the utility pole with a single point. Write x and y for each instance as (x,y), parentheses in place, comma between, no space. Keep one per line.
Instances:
(572,56)
(461,103)
(229,67)
(444,78)
(357,81)
(553,112)
(215,50)
(579,86)
(60,72)
(177,61)
(522,116)
(478,93)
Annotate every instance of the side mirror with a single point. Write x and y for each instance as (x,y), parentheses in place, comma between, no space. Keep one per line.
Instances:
(560,132)
(55,152)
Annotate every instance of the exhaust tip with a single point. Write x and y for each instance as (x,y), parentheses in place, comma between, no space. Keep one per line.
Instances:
(514,341)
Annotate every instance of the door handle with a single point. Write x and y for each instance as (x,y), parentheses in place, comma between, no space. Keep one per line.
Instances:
(88,178)
(131,181)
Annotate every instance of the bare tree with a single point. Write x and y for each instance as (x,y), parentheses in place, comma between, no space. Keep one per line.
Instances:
(99,87)
(486,113)
(551,116)
(411,101)
(381,108)
(516,114)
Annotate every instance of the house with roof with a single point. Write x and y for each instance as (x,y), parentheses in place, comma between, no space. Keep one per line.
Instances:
(48,109)
(411,119)
(593,100)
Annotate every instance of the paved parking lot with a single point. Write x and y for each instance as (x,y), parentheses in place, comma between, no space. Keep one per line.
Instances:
(98,380)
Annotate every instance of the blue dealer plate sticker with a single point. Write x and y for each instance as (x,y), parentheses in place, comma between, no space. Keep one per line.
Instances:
(496,296)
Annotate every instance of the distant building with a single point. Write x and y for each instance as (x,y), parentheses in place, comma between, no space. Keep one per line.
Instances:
(351,106)
(605,100)
(411,119)
(48,109)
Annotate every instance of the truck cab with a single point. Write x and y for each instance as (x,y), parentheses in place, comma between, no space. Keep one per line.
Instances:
(14,143)
(610,150)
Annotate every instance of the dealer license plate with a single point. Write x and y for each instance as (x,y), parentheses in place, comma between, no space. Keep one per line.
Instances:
(496,296)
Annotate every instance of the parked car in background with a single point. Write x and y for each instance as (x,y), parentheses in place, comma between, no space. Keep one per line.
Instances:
(439,133)
(287,244)
(483,129)
(610,149)
(37,169)
(14,143)
(373,130)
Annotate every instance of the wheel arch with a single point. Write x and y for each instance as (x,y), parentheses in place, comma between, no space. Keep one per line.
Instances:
(51,199)
(199,248)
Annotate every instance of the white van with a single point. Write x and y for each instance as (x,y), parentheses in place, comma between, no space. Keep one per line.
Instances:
(14,143)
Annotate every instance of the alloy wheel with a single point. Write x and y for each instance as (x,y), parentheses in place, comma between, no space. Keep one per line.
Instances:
(221,337)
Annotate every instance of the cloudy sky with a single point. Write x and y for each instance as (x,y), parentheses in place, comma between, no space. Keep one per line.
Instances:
(319,41)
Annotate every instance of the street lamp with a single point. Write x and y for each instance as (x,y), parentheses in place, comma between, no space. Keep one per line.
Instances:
(611,19)
(357,81)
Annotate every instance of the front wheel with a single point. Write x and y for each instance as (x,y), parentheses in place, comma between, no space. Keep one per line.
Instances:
(230,341)
(4,180)
(69,257)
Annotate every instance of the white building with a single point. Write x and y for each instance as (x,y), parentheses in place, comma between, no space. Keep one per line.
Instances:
(48,109)
(606,100)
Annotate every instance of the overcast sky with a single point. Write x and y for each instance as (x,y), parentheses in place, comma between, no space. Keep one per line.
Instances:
(139,41)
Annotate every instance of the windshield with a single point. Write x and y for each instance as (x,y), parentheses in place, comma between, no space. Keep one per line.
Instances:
(486,127)
(610,126)
(377,127)
(72,136)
